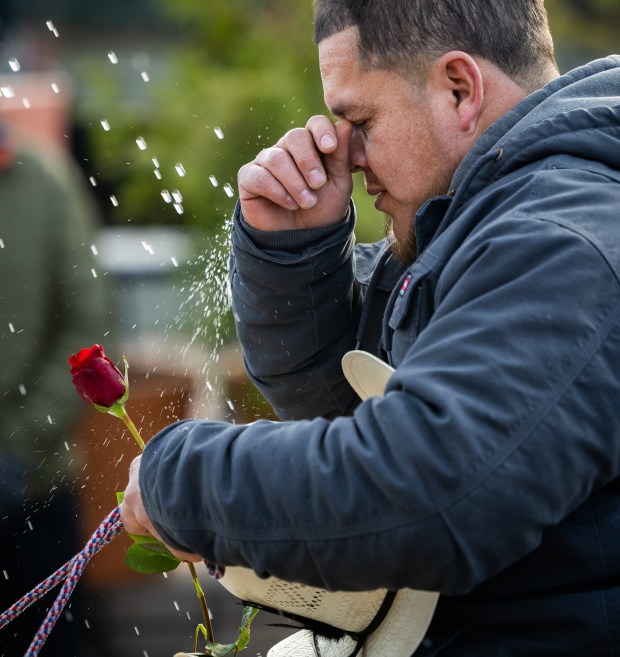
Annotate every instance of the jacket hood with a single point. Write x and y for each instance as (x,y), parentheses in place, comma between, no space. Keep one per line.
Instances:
(576,114)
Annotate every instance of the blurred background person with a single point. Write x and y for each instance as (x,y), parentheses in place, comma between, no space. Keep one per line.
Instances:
(52,303)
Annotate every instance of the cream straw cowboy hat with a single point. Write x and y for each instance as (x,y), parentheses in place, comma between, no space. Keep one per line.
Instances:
(377,623)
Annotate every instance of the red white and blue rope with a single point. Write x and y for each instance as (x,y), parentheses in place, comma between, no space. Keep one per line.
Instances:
(70,574)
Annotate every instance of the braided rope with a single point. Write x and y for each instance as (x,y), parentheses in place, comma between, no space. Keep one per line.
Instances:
(71,572)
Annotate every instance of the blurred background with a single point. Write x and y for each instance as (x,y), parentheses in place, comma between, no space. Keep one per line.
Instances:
(156,103)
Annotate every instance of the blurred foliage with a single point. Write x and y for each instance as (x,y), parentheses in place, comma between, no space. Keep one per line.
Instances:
(584,29)
(242,70)
(248,69)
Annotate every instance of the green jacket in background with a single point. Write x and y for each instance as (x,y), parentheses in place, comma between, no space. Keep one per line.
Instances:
(51,305)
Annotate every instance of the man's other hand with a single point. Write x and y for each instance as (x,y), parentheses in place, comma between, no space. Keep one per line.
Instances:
(133,514)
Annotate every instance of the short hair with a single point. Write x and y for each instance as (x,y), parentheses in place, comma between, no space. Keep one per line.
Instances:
(407,36)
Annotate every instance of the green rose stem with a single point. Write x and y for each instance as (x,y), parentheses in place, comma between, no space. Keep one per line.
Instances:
(203,605)
(120,412)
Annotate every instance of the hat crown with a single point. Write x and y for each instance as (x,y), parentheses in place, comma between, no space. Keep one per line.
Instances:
(346,610)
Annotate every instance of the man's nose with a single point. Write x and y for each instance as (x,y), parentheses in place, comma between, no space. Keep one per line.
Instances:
(357,153)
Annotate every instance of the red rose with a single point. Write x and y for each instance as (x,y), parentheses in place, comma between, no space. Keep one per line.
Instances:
(96,378)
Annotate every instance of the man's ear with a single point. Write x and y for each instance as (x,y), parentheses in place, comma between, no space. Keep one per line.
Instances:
(459,75)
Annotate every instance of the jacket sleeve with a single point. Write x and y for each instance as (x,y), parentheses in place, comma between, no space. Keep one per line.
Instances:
(498,423)
(296,303)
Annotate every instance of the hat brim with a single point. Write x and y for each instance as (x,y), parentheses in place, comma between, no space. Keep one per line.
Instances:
(405,624)
(366,373)
(399,635)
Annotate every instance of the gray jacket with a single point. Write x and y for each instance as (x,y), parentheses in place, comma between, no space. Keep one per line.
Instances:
(491,469)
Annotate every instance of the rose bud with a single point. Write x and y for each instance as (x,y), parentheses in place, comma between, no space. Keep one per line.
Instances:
(97,379)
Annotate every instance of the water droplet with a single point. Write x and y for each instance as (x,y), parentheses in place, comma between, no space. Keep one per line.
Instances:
(55,88)
(145,76)
(155,162)
(7,91)
(114,201)
(94,250)
(94,273)
(105,125)
(176,195)
(22,389)
(157,173)
(176,605)
(174,261)
(180,169)
(11,327)
(52,28)
(213,180)
(87,624)
(219,133)
(230,405)
(1,244)
(179,208)
(26,103)
(29,523)
(141,143)
(148,247)
(66,443)
(6,575)
(14,64)
(229,190)
(135,627)
(165,194)
(93,182)
(112,57)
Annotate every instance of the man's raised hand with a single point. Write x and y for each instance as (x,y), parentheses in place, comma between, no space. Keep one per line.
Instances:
(304,181)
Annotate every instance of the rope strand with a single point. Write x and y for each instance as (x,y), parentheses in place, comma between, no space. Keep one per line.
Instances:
(70,574)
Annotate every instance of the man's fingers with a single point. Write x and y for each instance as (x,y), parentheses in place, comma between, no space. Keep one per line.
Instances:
(338,163)
(333,141)
(289,169)
(133,513)
(300,144)
(323,133)
(303,181)
(255,181)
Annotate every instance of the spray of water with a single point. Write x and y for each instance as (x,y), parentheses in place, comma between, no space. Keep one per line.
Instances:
(205,308)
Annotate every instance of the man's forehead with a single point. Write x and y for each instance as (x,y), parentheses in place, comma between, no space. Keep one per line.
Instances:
(339,62)
(340,50)
(347,100)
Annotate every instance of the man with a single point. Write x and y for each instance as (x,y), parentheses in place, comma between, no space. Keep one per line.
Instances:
(490,471)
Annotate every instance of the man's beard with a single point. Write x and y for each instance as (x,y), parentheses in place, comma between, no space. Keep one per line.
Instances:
(404,250)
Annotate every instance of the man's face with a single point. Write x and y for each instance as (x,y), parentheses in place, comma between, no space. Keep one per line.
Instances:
(398,142)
